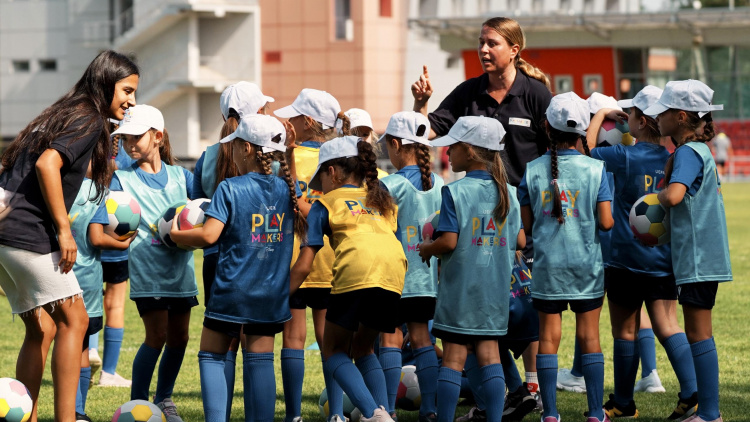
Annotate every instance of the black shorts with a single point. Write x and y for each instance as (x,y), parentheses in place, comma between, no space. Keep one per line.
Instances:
(209,275)
(699,295)
(232,329)
(416,309)
(370,307)
(457,338)
(578,306)
(115,272)
(630,289)
(95,325)
(310,297)
(177,305)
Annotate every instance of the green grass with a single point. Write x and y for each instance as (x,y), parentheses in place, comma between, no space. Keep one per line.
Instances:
(731,313)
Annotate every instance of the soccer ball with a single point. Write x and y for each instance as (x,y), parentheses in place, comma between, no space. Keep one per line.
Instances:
(15,401)
(165,223)
(408,396)
(649,221)
(350,412)
(124,215)
(138,411)
(194,214)
(431,225)
(612,133)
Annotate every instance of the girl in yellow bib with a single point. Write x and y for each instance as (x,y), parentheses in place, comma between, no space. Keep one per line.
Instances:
(368,269)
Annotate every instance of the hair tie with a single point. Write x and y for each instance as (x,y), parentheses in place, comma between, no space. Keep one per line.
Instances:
(554,182)
(339,125)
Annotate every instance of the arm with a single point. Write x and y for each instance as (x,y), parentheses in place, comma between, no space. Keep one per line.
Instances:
(527,218)
(596,123)
(302,267)
(50,182)
(101,240)
(304,206)
(445,243)
(604,211)
(199,237)
(672,195)
(521,240)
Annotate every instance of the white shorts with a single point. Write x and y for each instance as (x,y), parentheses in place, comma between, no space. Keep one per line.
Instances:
(31,279)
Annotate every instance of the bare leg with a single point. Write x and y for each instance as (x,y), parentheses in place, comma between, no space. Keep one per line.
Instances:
(40,330)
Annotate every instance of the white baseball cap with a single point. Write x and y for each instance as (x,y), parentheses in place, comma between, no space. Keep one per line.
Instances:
(244,97)
(264,131)
(343,147)
(644,99)
(358,117)
(479,131)
(139,119)
(599,101)
(568,112)
(409,126)
(318,105)
(688,95)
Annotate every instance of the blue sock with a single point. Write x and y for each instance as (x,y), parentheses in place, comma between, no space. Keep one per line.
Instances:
(112,345)
(647,350)
(593,373)
(546,369)
(144,364)
(448,390)
(169,368)
(83,390)
(94,341)
(512,378)
(230,363)
(471,367)
(427,375)
(372,373)
(292,375)
(493,385)
(390,361)
(678,352)
(706,363)
(625,368)
(333,391)
(211,366)
(260,381)
(342,369)
(577,369)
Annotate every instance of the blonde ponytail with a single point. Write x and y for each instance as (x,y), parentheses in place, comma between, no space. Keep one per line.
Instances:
(532,71)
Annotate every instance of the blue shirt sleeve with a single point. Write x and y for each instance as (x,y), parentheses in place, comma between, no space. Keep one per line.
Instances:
(297,190)
(687,169)
(613,157)
(189,181)
(100,217)
(317,225)
(198,175)
(448,218)
(605,194)
(114,184)
(221,204)
(522,192)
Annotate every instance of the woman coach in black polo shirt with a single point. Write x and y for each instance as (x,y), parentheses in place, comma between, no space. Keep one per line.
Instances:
(510,90)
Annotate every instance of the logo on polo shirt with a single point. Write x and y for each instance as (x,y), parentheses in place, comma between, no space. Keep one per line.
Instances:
(517,121)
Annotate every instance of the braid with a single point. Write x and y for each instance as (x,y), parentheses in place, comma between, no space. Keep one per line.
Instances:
(585,146)
(300,223)
(377,197)
(346,127)
(557,203)
(264,160)
(422,153)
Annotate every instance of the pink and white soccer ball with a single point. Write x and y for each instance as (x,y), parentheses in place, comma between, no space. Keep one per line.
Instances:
(194,214)
(15,401)
(408,396)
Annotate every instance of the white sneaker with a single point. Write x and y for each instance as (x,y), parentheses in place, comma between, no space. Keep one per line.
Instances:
(569,382)
(337,418)
(113,380)
(650,384)
(379,415)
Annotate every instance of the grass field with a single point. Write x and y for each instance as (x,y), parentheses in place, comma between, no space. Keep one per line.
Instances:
(731,313)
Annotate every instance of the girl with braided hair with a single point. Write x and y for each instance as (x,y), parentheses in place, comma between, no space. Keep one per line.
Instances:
(253,218)
(359,217)
(568,268)
(416,191)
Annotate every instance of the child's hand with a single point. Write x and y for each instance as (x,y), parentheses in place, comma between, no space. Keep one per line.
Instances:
(421,90)
(175,228)
(424,254)
(617,115)
(130,240)
(291,135)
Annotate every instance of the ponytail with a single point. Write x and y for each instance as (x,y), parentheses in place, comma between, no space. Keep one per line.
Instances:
(558,138)
(225,167)
(165,149)
(323,135)
(421,154)
(494,163)
(531,71)
(346,124)
(377,196)
(300,223)
(556,201)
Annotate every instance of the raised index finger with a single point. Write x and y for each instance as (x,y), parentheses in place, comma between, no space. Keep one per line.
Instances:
(425,72)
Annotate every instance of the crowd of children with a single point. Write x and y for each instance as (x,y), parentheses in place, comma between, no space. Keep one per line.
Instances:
(301,216)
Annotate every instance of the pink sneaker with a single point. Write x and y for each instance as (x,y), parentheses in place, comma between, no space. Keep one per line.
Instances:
(551,419)
(593,419)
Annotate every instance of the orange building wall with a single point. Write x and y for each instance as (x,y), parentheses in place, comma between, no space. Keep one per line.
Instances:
(562,61)
(299,51)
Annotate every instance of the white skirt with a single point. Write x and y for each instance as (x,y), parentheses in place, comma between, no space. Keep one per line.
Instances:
(31,279)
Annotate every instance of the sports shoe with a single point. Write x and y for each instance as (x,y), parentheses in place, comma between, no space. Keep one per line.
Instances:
(474,415)
(430,417)
(113,380)
(395,417)
(518,404)
(379,415)
(80,417)
(534,390)
(298,419)
(569,382)
(696,418)
(551,419)
(614,410)
(685,408)
(169,410)
(593,419)
(539,404)
(650,384)
(336,418)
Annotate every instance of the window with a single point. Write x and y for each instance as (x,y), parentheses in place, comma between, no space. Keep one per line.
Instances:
(20,66)
(344,27)
(386,8)
(563,83)
(592,83)
(48,65)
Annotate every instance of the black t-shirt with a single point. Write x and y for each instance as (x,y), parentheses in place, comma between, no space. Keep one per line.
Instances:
(521,113)
(28,224)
